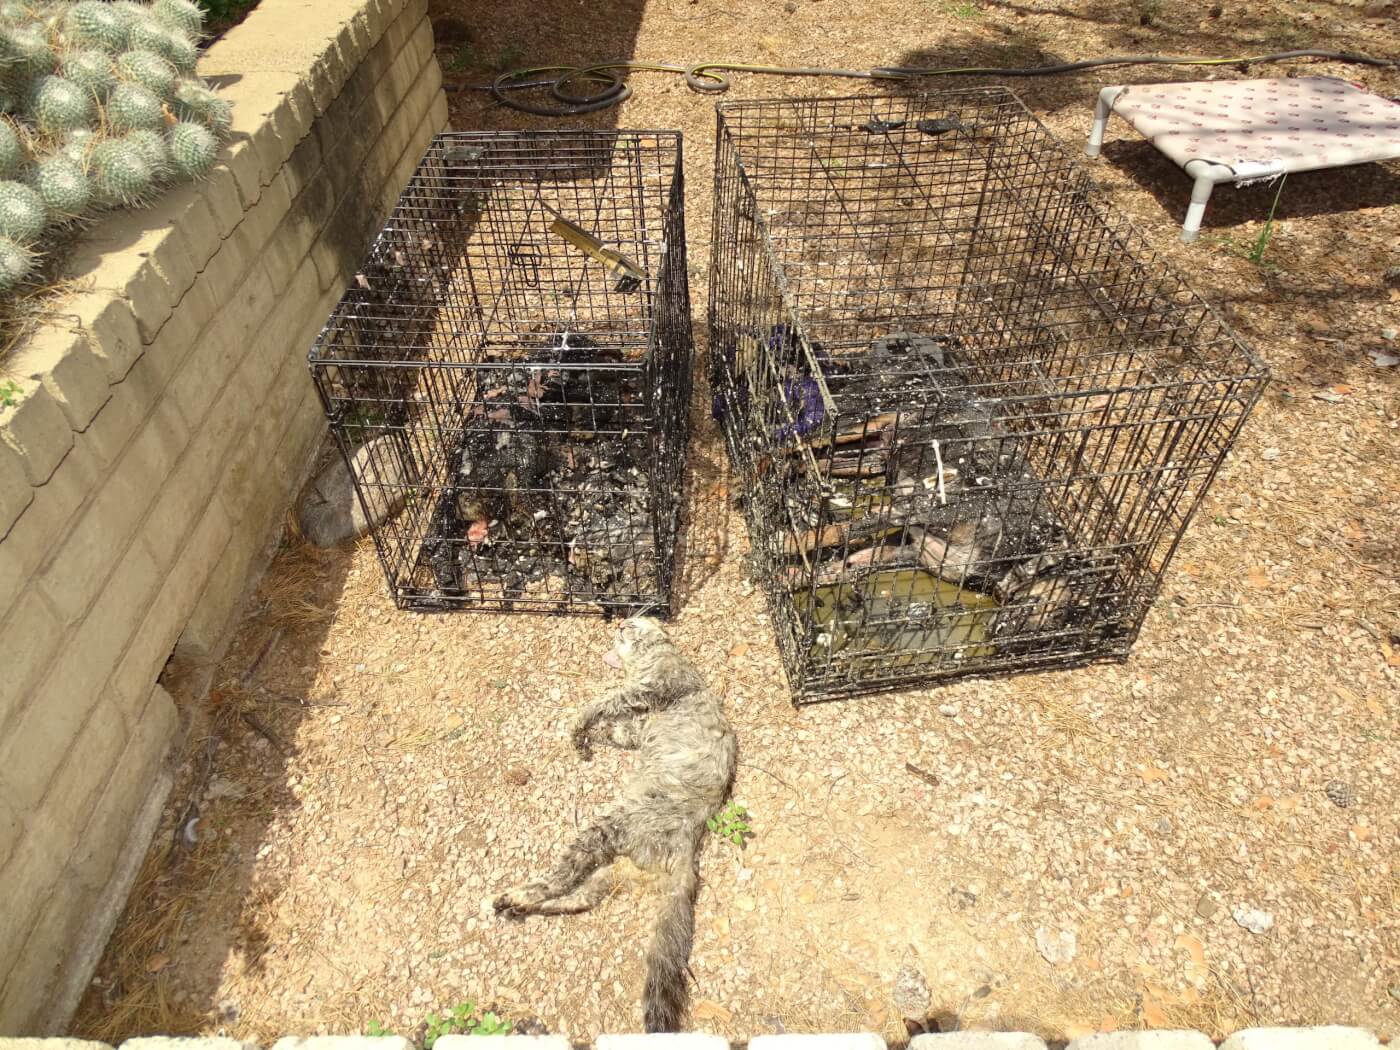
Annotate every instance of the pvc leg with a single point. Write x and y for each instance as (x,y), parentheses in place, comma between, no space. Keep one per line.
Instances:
(1102,108)
(1200,193)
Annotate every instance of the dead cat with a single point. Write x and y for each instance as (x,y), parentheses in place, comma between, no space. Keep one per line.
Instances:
(686,754)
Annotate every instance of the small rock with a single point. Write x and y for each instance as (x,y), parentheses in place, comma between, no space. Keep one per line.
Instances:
(962,899)
(1253,919)
(1056,948)
(1341,793)
(330,512)
(1163,826)
(1388,333)
(947,710)
(1272,453)
(1206,907)
(790,7)
(1383,360)
(518,775)
(1395,992)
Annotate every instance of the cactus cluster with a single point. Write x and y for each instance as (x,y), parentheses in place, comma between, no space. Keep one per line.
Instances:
(99,108)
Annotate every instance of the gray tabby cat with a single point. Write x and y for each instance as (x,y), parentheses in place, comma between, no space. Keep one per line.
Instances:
(685,763)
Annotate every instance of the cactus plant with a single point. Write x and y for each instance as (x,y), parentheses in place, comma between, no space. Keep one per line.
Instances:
(91,70)
(148,69)
(195,102)
(57,105)
(97,24)
(11,151)
(154,150)
(188,18)
(131,106)
(103,111)
(26,51)
(77,144)
(120,174)
(15,263)
(171,44)
(193,147)
(63,186)
(22,213)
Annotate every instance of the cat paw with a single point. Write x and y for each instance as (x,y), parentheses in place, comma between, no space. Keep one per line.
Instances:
(514,903)
(582,744)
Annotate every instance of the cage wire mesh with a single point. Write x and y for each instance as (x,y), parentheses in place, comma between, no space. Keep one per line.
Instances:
(507,375)
(971,410)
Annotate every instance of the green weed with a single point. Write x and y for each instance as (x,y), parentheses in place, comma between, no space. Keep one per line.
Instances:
(732,823)
(1256,253)
(462,1019)
(9,391)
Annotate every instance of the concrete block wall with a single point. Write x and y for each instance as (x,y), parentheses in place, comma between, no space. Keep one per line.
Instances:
(161,427)
(1327,1037)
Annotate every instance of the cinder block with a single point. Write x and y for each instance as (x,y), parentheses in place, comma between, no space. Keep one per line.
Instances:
(136,402)
(178,336)
(342,1042)
(113,257)
(1323,1037)
(111,330)
(39,965)
(32,750)
(100,843)
(33,860)
(834,1041)
(262,112)
(52,1044)
(304,166)
(32,636)
(16,493)
(527,1042)
(1153,1040)
(152,645)
(11,827)
(187,1043)
(657,1041)
(241,158)
(64,363)
(187,208)
(85,557)
(34,535)
(220,192)
(263,222)
(78,782)
(36,428)
(206,632)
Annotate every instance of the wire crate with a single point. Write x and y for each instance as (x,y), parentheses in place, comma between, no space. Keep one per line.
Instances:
(507,375)
(971,411)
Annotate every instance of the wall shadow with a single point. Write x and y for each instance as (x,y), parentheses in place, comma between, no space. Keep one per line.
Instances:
(477,43)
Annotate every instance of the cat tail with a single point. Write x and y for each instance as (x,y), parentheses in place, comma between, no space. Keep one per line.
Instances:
(664,997)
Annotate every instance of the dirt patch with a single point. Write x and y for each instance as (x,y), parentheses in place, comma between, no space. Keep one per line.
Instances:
(398,769)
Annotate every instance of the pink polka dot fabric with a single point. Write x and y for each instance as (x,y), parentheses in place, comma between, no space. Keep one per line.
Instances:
(1254,126)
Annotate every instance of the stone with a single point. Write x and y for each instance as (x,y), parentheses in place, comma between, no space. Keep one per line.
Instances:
(330,1042)
(1253,919)
(977,1041)
(331,512)
(911,993)
(1340,793)
(1207,906)
(1323,1037)
(839,1041)
(1154,1040)
(1057,948)
(658,1041)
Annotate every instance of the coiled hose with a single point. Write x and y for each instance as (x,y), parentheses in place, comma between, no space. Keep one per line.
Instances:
(569,87)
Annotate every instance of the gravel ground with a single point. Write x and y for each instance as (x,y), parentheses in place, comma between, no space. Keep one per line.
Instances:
(365,779)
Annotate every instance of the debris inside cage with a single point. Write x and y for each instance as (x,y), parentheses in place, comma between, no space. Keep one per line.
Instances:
(546,495)
(934,539)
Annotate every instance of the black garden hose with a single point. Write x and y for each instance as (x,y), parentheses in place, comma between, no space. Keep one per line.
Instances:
(705,76)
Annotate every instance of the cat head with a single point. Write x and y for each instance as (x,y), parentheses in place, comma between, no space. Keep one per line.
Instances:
(637,636)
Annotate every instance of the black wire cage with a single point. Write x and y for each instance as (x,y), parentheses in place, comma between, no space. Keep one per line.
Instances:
(972,412)
(507,376)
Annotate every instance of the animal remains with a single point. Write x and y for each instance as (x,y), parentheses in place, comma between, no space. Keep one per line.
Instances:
(686,753)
